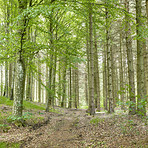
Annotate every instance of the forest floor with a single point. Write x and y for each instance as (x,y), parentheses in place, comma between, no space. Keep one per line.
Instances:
(74,128)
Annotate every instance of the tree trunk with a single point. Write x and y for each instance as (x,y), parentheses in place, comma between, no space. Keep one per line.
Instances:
(10,78)
(70,89)
(1,80)
(6,80)
(39,79)
(63,103)
(132,107)
(50,79)
(105,80)
(20,68)
(96,75)
(122,89)
(19,88)
(109,65)
(146,55)
(141,92)
(13,83)
(88,64)
(86,88)
(92,107)
(7,18)
(77,84)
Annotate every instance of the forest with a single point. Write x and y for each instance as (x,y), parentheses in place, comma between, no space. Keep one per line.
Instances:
(73,73)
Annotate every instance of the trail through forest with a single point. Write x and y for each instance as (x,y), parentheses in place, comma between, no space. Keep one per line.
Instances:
(76,129)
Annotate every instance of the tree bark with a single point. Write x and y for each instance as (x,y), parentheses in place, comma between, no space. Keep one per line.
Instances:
(70,89)
(141,92)
(105,79)
(20,68)
(132,107)
(92,107)
(122,89)
(146,55)
(96,75)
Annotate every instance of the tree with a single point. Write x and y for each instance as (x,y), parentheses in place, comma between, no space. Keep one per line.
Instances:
(20,67)
(141,92)
(132,107)
(91,55)
(109,64)
(96,74)
(146,54)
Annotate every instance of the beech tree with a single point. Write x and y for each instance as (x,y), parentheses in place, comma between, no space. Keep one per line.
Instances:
(20,67)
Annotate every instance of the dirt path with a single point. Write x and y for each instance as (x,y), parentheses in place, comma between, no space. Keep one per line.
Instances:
(62,131)
(75,129)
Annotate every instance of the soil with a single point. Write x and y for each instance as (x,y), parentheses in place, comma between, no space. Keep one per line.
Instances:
(74,128)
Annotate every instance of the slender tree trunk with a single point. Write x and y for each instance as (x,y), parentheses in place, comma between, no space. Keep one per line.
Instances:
(114,76)
(7,17)
(39,79)
(63,103)
(10,77)
(70,89)
(88,64)
(122,92)
(109,65)
(59,86)
(73,88)
(50,92)
(54,79)
(132,107)
(77,84)
(20,68)
(28,86)
(141,92)
(92,106)
(146,55)
(110,87)
(96,75)
(13,83)
(86,88)
(1,80)
(6,80)
(105,80)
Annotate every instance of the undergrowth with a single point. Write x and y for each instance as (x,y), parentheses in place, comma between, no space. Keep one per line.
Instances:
(26,104)
(9,145)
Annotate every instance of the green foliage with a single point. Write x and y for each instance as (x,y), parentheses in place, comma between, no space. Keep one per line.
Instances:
(6,101)
(31,105)
(97,120)
(9,145)
(26,104)
(14,119)
(4,127)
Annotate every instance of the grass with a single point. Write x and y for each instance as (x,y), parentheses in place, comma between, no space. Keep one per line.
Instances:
(7,117)
(26,104)
(9,145)
(6,101)
(30,105)
(96,120)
